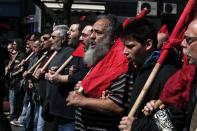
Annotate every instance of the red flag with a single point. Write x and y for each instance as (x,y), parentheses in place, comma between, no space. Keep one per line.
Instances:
(83,17)
(164,29)
(142,14)
(177,34)
(106,71)
(177,89)
(79,52)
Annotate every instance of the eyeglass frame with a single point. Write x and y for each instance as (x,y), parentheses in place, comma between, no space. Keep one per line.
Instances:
(53,37)
(189,39)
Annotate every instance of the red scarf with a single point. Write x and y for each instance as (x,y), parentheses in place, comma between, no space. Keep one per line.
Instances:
(106,71)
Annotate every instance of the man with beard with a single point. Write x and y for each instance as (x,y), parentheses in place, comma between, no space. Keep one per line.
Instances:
(61,84)
(94,113)
(74,34)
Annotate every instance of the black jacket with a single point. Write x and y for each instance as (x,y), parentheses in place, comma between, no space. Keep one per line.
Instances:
(146,123)
(192,102)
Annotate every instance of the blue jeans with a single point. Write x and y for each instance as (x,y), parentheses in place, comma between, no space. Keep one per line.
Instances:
(12,103)
(38,121)
(26,101)
(66,127)
(27,117)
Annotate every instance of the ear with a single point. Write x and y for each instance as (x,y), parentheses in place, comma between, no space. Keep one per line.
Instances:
(149,44)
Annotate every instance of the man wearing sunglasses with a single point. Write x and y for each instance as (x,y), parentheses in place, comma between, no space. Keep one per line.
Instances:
(61,84)
(46,44)
(190,49)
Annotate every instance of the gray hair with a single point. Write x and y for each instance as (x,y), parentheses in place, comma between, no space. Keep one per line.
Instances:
(114,25)
(62,29)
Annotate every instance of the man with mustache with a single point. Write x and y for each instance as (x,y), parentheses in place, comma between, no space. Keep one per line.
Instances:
(190,44)
(95,112)
(64,82)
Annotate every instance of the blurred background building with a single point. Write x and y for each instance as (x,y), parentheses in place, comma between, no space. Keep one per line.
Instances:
(20,17)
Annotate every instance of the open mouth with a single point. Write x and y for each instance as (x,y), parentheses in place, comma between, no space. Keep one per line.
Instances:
(92,44)
(68,38)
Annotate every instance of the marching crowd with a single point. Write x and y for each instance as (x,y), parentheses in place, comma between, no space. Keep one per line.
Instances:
(87,77)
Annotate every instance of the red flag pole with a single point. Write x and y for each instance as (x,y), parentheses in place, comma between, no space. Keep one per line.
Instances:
(181,22)
(142,14)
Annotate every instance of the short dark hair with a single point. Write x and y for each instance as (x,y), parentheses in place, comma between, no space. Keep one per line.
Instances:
(140,30)
(79,22)
(37,36)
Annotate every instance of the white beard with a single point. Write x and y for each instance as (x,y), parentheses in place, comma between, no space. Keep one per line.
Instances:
(92,56)
(56,46)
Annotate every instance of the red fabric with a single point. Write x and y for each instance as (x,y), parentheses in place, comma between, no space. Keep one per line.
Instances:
(82,18)
(177,34)
(126,22)
(177,89)
(142,14)
(164,29)
(106,71)
(79,52)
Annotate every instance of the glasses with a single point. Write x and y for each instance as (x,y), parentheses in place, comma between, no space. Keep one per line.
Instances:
(189,39)
(53,37)
(85,35)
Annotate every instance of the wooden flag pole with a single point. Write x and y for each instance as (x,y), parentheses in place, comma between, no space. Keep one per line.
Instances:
(47,63)
(188,9)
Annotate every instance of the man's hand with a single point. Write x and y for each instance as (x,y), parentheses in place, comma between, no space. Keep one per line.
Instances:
(72,70)
(105,95)
(52,76)
(77,86)
(26,73)
(126,123)
(75,99)
(38,73)
(150,107)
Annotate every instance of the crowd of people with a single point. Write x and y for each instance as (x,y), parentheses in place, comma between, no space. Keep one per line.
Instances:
(87,77)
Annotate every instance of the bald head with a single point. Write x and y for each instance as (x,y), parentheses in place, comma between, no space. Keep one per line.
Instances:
(192,28)
(162,38)
(189,44)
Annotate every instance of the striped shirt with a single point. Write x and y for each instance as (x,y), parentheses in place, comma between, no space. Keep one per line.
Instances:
(90,120)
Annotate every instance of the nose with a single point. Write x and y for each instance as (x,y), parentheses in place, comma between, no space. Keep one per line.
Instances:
(126,51)
(81,38)
(68,32)
(50,39)
(184,44)
(93,36)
